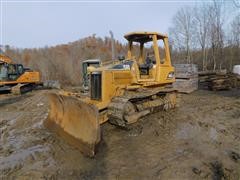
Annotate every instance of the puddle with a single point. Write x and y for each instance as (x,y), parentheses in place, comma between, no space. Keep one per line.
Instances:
(187,131)
(18,157)
(213,134)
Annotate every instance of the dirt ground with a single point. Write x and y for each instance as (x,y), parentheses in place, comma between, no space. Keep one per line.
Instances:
(198,140)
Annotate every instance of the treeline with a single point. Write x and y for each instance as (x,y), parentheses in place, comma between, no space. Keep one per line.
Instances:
(207,34)
(63,62)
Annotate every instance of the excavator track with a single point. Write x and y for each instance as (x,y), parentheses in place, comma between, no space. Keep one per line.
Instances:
(128,108)
(22,88)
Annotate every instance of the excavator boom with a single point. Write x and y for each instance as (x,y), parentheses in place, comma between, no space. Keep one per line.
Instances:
(5,59)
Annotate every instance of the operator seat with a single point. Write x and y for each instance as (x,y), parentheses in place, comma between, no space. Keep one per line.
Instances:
(144,68)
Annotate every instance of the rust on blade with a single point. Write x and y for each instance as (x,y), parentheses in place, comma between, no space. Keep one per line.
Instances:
(75,121)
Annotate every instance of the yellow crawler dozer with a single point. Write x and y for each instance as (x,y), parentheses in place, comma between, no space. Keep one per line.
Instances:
(120,93)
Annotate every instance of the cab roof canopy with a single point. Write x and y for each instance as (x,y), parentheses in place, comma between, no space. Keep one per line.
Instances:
(143,37)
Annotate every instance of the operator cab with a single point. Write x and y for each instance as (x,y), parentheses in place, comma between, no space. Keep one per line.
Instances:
(145,48)
(3,71)
(10,72)
(147,65)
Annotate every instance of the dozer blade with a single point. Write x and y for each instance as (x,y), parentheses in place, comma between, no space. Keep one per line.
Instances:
(75,121)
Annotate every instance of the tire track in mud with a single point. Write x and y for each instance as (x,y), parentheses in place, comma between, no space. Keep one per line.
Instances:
(216,121)
(198,140)
(21,132)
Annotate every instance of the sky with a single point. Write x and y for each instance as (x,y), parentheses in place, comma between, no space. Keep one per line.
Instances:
(37,24)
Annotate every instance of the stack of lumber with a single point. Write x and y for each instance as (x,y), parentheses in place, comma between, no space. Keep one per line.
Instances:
(218,80)
(186,77)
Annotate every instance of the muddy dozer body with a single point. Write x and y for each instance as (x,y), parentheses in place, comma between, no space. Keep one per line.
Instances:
(74,120)
(121,92)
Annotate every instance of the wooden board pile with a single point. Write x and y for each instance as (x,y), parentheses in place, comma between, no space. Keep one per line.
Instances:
(186,77)
(219,80)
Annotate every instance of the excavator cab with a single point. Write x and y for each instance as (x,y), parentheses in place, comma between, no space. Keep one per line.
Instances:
(3,72)
(14,71)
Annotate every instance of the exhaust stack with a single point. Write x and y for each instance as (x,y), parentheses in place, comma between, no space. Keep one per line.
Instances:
(113,46)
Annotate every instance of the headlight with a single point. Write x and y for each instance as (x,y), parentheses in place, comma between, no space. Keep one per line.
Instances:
(170,75)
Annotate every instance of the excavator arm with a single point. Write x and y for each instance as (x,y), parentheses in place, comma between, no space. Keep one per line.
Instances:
(5,59)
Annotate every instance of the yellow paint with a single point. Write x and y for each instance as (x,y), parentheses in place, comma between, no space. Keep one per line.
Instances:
(5,59)
(115,81)
(26,77)
(78,118)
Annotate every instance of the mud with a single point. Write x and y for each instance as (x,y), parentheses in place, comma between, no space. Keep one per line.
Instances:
(198,140)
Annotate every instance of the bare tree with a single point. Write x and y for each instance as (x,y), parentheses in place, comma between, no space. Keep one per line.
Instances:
(182,31)
(234,42)
(236,3)
(235,31)
(216,33)
(201,22)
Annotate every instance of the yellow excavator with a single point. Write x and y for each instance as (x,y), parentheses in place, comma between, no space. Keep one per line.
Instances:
(15,78)
(120,93)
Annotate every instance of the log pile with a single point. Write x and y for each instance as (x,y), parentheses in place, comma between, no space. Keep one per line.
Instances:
(186,77)
(219,80)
